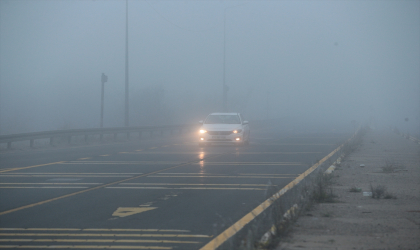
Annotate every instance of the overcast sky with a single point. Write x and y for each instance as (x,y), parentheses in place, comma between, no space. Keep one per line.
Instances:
(323,60)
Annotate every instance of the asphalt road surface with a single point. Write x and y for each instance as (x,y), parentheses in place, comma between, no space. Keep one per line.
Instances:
(155,193)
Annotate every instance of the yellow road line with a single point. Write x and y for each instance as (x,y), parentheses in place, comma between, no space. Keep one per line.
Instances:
(41,165)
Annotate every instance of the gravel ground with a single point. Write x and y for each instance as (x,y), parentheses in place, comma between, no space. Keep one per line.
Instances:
(387,162)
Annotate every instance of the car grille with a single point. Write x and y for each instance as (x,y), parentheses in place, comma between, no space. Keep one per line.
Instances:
(219,132)
(219,140)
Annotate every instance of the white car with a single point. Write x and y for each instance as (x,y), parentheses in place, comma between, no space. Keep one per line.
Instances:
(224,128)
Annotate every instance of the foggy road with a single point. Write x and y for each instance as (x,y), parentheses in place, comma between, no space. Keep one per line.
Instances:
(163,193)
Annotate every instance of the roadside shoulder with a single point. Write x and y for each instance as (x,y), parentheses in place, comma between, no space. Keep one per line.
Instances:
(386,166)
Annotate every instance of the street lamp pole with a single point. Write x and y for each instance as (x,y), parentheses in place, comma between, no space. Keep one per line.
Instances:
(104,79)
(126,63)
(225,88)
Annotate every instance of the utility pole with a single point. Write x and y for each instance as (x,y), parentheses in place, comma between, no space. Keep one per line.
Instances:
(104,79)
(225,87)
(126,63)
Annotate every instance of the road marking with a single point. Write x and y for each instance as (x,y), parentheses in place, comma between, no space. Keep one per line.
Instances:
(104,155)
(40,187)
(82,246)
(252,163)
(295,144)
(191,188)
(153,148)
(77,173)
(41,165)
(138,150)
(238,152)
(97,187)
(271,174)
(127,211)
(59,175)
(177,162)
(220,176)
(106,235)
(96,229)
(45,183)
(278,153)
(86,158)
(189,184)
(119,162)
(101,241)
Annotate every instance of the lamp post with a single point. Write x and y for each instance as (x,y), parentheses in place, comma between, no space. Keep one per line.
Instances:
(104,79)
(126,63)
(225,87)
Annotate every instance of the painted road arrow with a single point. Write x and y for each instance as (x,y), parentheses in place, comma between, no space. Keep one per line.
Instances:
(127,211)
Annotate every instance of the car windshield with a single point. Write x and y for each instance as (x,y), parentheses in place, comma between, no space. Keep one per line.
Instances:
(223,119)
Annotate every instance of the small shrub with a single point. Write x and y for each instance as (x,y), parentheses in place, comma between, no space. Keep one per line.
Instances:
(322,192)
(390,167)
(377,191)
(389,196)
(327,214)
(355,189)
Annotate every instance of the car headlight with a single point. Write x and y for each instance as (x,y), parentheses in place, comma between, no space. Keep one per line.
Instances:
(237,131)
(202,131)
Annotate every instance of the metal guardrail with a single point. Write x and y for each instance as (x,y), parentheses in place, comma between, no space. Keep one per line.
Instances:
(69,133)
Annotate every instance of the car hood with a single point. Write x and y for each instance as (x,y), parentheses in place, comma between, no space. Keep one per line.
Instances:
(221,127)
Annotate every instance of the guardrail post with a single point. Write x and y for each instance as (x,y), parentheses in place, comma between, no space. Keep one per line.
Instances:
(51,141)
(31,143)
(9,145)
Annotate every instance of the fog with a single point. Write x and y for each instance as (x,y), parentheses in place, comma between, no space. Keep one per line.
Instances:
(308,61)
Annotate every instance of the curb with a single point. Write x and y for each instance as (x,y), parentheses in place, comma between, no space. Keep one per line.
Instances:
(268,237)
